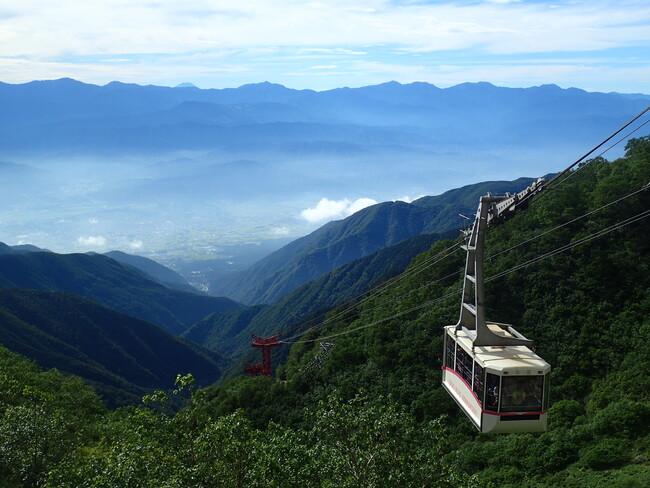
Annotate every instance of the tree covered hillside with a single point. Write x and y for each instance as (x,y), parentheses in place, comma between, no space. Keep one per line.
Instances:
(571,272)
(342,241)
(230,332)
(121,356)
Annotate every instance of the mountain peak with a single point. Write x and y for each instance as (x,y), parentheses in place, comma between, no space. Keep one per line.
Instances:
(61,82)
(266,85)
(469,85)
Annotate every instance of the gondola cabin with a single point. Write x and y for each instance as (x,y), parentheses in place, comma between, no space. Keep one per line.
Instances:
(500,388)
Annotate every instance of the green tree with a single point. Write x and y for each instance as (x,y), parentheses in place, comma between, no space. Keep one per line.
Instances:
(225,453)
(138,448)
(363,444)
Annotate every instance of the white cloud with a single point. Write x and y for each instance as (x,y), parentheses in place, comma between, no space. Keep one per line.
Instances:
(360,204)
(327,209)
(135,244)
(95,241)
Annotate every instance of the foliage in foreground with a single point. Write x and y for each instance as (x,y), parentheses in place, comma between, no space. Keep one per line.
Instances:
(55,433)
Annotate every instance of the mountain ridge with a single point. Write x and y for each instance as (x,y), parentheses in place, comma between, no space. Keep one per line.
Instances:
(373,105)
(356,236)
(106,281)
(155,270)
(122,356)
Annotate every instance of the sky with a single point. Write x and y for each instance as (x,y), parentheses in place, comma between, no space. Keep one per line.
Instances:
(596,45)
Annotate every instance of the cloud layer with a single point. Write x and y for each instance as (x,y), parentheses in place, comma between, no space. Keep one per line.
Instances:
(217,43)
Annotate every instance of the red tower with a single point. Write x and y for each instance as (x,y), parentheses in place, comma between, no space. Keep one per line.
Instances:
(263,368)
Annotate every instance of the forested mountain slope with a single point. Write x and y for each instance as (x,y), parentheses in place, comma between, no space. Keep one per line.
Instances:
(230,332)
(54,432)
(160,273)
(123,357)
(359,235)
(110,283)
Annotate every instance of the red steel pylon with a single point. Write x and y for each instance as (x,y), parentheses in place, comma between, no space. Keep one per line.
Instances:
(263,368)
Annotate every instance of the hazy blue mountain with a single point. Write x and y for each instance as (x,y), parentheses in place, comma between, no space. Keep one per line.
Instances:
(62,114)
(106,281)
(41,102)
(15,170)
(123,357)
(20,249)
(158,272)
(342,241)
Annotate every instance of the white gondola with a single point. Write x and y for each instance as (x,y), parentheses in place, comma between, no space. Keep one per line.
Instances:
(489,368)
(500,388)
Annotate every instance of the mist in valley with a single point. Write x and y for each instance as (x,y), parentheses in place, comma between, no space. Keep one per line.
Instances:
(217,179)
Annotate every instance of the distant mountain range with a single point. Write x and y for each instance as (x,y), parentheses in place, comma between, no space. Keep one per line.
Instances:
(20,249)
(354,237)
(67,114)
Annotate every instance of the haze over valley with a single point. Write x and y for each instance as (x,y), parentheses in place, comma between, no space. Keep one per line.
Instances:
(224,177)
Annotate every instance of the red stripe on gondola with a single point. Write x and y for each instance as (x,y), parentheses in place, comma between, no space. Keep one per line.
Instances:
(499,414)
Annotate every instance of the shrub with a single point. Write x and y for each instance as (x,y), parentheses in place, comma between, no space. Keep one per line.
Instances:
(624,418)
(608,453)
(564,413)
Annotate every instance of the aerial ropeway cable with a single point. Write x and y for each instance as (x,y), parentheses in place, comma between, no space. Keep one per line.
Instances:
(376,291)
(454,293)
(265,368)
(556,180)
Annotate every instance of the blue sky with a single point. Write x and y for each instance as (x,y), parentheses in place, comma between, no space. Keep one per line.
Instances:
(597,45)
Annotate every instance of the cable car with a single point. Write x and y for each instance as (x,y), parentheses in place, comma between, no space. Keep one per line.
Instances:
(489,369)
(500,388)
